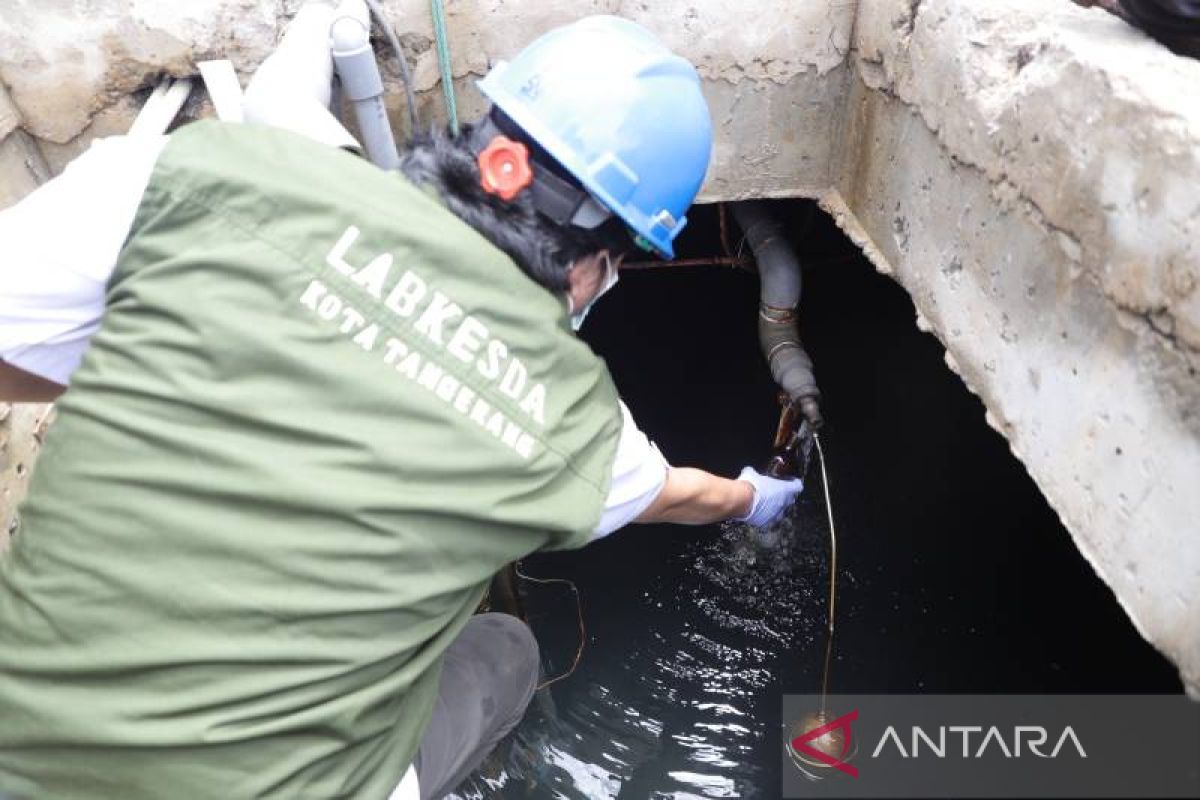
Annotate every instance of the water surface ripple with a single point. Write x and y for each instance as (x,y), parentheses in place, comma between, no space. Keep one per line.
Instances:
(678,691)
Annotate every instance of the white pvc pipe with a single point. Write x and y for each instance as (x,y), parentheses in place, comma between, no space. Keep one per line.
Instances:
(223,89)
(161,107)
(349,40)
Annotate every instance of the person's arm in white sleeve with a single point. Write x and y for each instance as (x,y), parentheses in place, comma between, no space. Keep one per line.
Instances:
(639,473)
(60,245)
(645,488)
(291,88)
(695,497)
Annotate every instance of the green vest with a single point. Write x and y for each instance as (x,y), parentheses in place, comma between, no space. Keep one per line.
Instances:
(320,413)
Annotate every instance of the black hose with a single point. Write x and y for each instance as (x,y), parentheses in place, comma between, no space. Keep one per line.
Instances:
(778,268)
(779,272)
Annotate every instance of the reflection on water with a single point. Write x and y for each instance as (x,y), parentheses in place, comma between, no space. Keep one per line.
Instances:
(687,705)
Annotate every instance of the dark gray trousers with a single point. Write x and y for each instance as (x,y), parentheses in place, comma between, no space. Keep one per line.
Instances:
(488,678)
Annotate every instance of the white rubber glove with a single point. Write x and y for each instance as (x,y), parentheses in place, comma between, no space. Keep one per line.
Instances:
(772,496)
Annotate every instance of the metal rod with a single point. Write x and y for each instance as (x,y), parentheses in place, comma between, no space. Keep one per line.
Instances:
(721,215)
(715,261)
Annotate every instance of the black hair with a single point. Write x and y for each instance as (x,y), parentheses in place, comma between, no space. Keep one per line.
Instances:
(543,249)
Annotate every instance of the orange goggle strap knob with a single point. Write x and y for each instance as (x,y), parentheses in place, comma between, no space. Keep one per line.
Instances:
(504,167)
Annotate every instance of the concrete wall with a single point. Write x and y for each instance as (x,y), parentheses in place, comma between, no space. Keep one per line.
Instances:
(1030,173)
(1027,169)
(775,89)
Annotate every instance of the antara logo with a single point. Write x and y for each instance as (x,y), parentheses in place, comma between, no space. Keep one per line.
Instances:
(818,743)
(1034,738)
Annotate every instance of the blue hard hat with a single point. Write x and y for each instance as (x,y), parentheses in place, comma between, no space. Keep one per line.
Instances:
(620,112)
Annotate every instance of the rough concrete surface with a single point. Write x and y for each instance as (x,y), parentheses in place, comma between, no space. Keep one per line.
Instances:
(21,430)
(69,64)
(1030,172)
(1027,169)
(10,118)
(22,166)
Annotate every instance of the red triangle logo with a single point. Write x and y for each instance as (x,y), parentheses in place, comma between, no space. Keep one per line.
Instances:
(801,743)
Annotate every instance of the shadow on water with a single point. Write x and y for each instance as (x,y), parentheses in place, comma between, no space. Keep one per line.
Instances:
(955,575)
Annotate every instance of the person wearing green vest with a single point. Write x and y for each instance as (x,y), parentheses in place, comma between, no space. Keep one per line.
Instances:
(314,406)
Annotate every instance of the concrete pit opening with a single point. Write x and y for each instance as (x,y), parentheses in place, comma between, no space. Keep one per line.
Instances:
(995,207)
(955,573)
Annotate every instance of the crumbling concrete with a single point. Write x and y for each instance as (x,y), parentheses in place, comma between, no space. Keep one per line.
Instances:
(1026,169)
(1029,171)
(21,430)
(22,166)
(72,70)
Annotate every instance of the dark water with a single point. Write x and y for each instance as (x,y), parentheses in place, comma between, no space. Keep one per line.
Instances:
(955,575)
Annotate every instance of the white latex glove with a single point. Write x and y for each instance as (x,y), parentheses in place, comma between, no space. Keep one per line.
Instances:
(772,496)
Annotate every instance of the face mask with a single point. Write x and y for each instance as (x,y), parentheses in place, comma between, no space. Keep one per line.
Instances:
(610,280)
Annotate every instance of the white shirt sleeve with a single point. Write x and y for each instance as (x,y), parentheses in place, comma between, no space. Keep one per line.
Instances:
(60,245)
(291,88)
(639,473)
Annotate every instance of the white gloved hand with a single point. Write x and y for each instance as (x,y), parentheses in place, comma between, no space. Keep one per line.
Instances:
(772,496)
